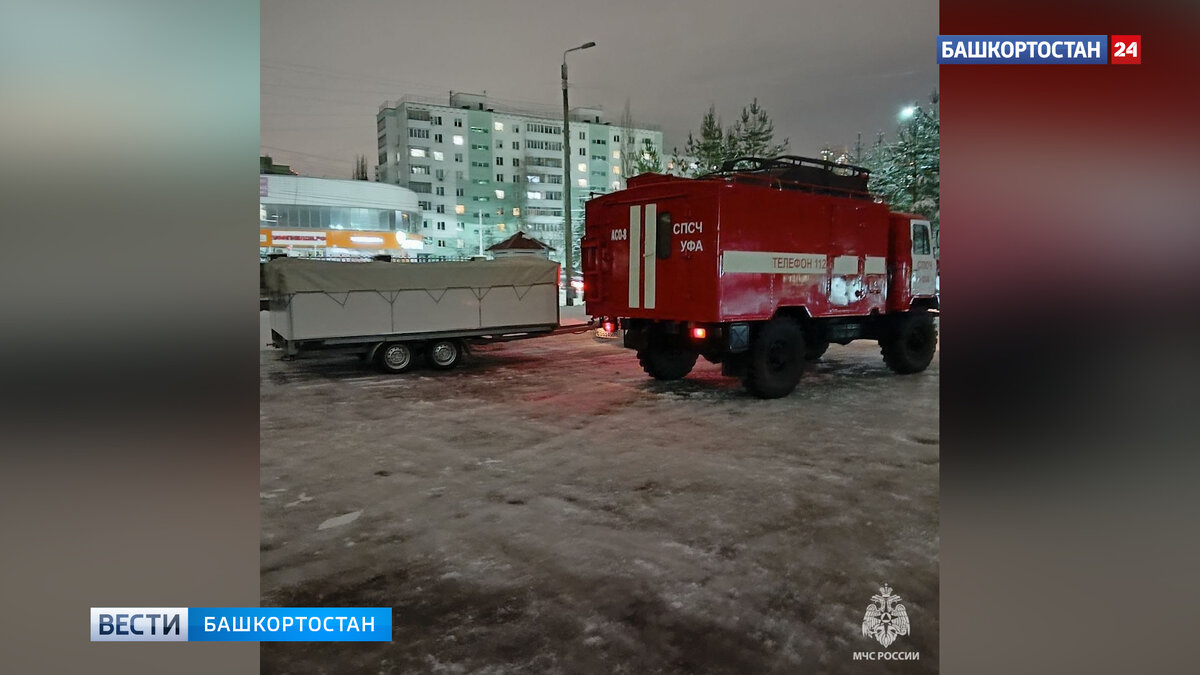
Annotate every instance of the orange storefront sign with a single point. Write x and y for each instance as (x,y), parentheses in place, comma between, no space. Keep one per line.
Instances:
(366,239)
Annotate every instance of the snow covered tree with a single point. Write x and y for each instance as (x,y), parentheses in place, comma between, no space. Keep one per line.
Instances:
(647,159)
(711,149)
(907,173)
(753,135)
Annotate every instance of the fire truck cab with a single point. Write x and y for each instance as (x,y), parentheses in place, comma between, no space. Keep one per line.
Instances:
(759,267)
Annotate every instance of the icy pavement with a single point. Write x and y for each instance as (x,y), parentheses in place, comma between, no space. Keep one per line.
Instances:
(549,508)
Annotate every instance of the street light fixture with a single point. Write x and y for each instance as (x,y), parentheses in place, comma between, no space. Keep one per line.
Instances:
(567,275)
(908,112)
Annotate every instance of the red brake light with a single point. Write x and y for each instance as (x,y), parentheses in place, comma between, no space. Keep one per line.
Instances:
(699,333)
(608,326)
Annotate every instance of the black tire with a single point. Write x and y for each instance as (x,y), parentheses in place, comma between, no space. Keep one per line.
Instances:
(394,357)
(909,346)
(815,350)
(776,359)
(443,354)
(666,357)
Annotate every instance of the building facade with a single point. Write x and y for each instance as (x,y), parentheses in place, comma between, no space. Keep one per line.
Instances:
(322,217)
(482,172)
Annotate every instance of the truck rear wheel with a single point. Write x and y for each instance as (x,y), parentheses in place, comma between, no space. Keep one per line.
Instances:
(909,346)
(665,357)
(776,359)
(444,354)
(394,357)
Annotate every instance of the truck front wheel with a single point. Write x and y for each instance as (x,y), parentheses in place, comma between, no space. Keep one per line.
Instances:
(909,345)
(776,359)
(666,357)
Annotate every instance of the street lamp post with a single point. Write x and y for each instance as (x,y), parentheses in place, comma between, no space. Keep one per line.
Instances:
(567,274)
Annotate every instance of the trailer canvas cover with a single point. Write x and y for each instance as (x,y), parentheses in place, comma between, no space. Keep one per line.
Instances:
(320,300)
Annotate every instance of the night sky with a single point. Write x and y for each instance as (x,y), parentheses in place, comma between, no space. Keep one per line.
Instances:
(823,70)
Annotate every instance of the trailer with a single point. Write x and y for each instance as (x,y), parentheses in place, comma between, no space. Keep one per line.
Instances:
(759,267)
(393,313)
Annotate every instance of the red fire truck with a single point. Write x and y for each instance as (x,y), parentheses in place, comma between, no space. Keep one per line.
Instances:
(759,267)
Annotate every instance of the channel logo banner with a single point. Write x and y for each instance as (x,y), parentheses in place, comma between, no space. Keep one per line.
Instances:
(241,624)
(1022,49)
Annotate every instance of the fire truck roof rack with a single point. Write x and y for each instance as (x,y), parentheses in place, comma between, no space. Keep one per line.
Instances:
(799,173)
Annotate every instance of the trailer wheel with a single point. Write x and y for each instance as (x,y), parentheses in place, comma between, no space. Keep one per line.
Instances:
(909,346)
(815,350)
(444,354)
(776,359)
(665,357)
(394,357)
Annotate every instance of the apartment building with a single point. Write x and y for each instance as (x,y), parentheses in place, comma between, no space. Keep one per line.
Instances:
(483,171)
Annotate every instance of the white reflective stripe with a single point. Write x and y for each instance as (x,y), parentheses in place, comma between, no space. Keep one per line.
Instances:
(845,265)
(651,254)
(875,265)
(771,262)
(635,260)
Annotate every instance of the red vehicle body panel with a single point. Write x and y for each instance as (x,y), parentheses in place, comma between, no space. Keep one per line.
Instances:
(739,251)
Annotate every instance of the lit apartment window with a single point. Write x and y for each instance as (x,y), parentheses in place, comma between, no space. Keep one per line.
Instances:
(437,155)
(460,208)
(416,152)
(617,170)
(616,154)
(532,195)
(499,194)
(458,140)
(499,126)
(616,184)
(516,210)
(581,166)
(582,182)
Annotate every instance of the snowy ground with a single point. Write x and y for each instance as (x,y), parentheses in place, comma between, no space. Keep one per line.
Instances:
(548,508)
